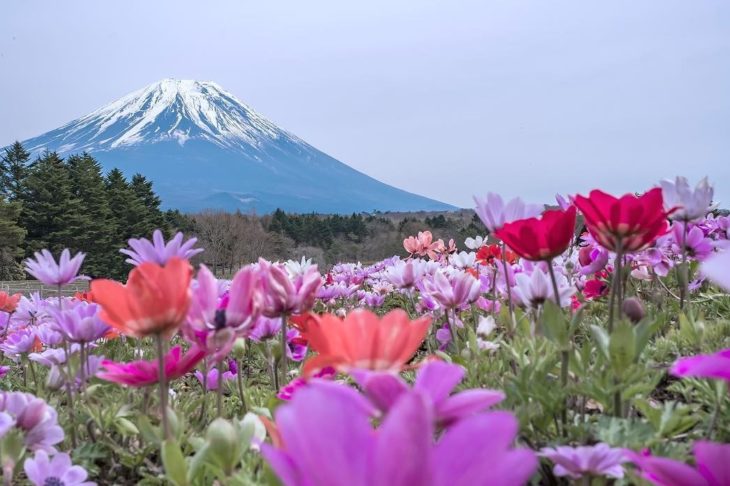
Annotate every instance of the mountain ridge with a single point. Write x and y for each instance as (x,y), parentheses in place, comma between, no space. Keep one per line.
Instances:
(171,129)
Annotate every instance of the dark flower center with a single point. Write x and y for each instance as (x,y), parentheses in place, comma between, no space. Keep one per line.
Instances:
(53,481)
(220,319)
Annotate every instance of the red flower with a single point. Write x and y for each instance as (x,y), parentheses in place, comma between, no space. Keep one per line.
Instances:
(630,222)
(155,299)
(487,255)
(541,238)
(595,289)
(8,303)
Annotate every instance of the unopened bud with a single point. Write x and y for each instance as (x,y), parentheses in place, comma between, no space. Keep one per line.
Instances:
(633,309)
(238,350)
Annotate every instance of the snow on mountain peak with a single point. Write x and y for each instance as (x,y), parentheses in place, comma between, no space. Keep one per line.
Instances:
(169,110)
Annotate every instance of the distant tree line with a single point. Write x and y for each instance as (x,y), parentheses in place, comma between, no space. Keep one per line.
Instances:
(55,203)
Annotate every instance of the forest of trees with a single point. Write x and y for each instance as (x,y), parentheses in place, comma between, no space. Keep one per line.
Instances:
(55,203)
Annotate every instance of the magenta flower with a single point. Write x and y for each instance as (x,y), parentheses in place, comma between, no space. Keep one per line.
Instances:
(143,373)
(711,466)
(715,366)
(717,269)
(452,290)
(435,381)
(45,268)
(157,251)
(287,391)
(697,245)
(596,460)
(4,370)
(210,381)
(495,213)
(327,438)
(79,322)
(405,274)
(58,471)
(285,295)
(36,420)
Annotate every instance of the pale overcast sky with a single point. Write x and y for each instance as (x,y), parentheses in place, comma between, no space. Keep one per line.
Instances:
(443,98)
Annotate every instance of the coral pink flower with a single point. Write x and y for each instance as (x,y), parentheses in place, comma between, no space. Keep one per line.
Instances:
(629,222)
(541,238)
(364,340)
(8,303)
(155,299)
(144,373)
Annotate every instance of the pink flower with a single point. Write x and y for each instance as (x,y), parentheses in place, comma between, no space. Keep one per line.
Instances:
(45,268)
(283,295)
(715,366)
(595,460)
(144,373)
(423,245)
(711,459)
(36,420)
(495,213)
(452,290)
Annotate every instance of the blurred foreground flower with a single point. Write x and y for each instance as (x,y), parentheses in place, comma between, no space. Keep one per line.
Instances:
(711,467)
(595,460)
(717,269)
(57,471)
(144,373)
(715,366)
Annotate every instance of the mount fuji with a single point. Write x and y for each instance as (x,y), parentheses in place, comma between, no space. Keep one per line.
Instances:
(204,149)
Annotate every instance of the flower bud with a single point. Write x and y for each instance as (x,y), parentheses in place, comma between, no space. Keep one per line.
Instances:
(633,309)
(224,444)
(238,351)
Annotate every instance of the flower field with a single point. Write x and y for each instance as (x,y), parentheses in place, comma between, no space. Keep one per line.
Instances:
(585,344)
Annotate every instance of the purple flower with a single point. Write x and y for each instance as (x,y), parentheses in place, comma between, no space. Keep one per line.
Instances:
(717,269)
(287,391)
(453,290)
(58,471)
(328,439)
(157,251)
(79,322)
(264,328)
(596,460)
(287,295)
(495,213)
(711,466)
(533,290)
(47,333)
(405,274)
(36,420)
(17,343)
(210,381)
(53,356)
(4,370)
(716,366)
(45,268)
(697,245)
(435,381)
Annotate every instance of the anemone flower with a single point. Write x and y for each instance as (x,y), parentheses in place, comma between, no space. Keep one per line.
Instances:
(210,380)
(596,460)
(58,471)
(8,303)
(452,290)
(144,373)
(626,224)
(534,289)
(717,269)
(711,460)
(155,299)
(436,380)
(715,366)
(405,274)
(541,238)
(20,342)
(44,267)
(157,251)
(494,212)
(282,295)
(691,204)
(362,340)
(79,323)
(332,421)
(34,418)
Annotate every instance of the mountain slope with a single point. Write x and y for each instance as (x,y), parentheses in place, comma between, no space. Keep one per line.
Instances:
(205,149)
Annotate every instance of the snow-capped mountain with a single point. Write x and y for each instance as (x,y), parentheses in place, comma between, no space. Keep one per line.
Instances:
(203,148)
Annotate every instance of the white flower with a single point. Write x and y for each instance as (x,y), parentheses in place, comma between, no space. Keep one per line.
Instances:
(495,213)
(463,259)
(692,204)
(475,243)
(486,326)
(533,290)
(298,268)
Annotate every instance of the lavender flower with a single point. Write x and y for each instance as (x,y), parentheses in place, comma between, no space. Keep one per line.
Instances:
(36,420)
(452,290)
(595,460)
(45,268)
(717,269)
(18,343)
(79,323)
(157,251)
(59,471)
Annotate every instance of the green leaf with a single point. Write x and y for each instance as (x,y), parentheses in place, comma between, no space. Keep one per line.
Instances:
(622,347)
(555,325)
(174,463)
(602,339)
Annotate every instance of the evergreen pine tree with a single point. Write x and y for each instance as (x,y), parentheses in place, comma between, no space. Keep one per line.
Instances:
(155,218)
(13,170)
(11,237)
(128,216)
(52,216)
(97,240)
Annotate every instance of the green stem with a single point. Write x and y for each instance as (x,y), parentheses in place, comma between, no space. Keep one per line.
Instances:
(564,354)
(162,386)
(239,379)
(283,359)
(219,390)
(507,284)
